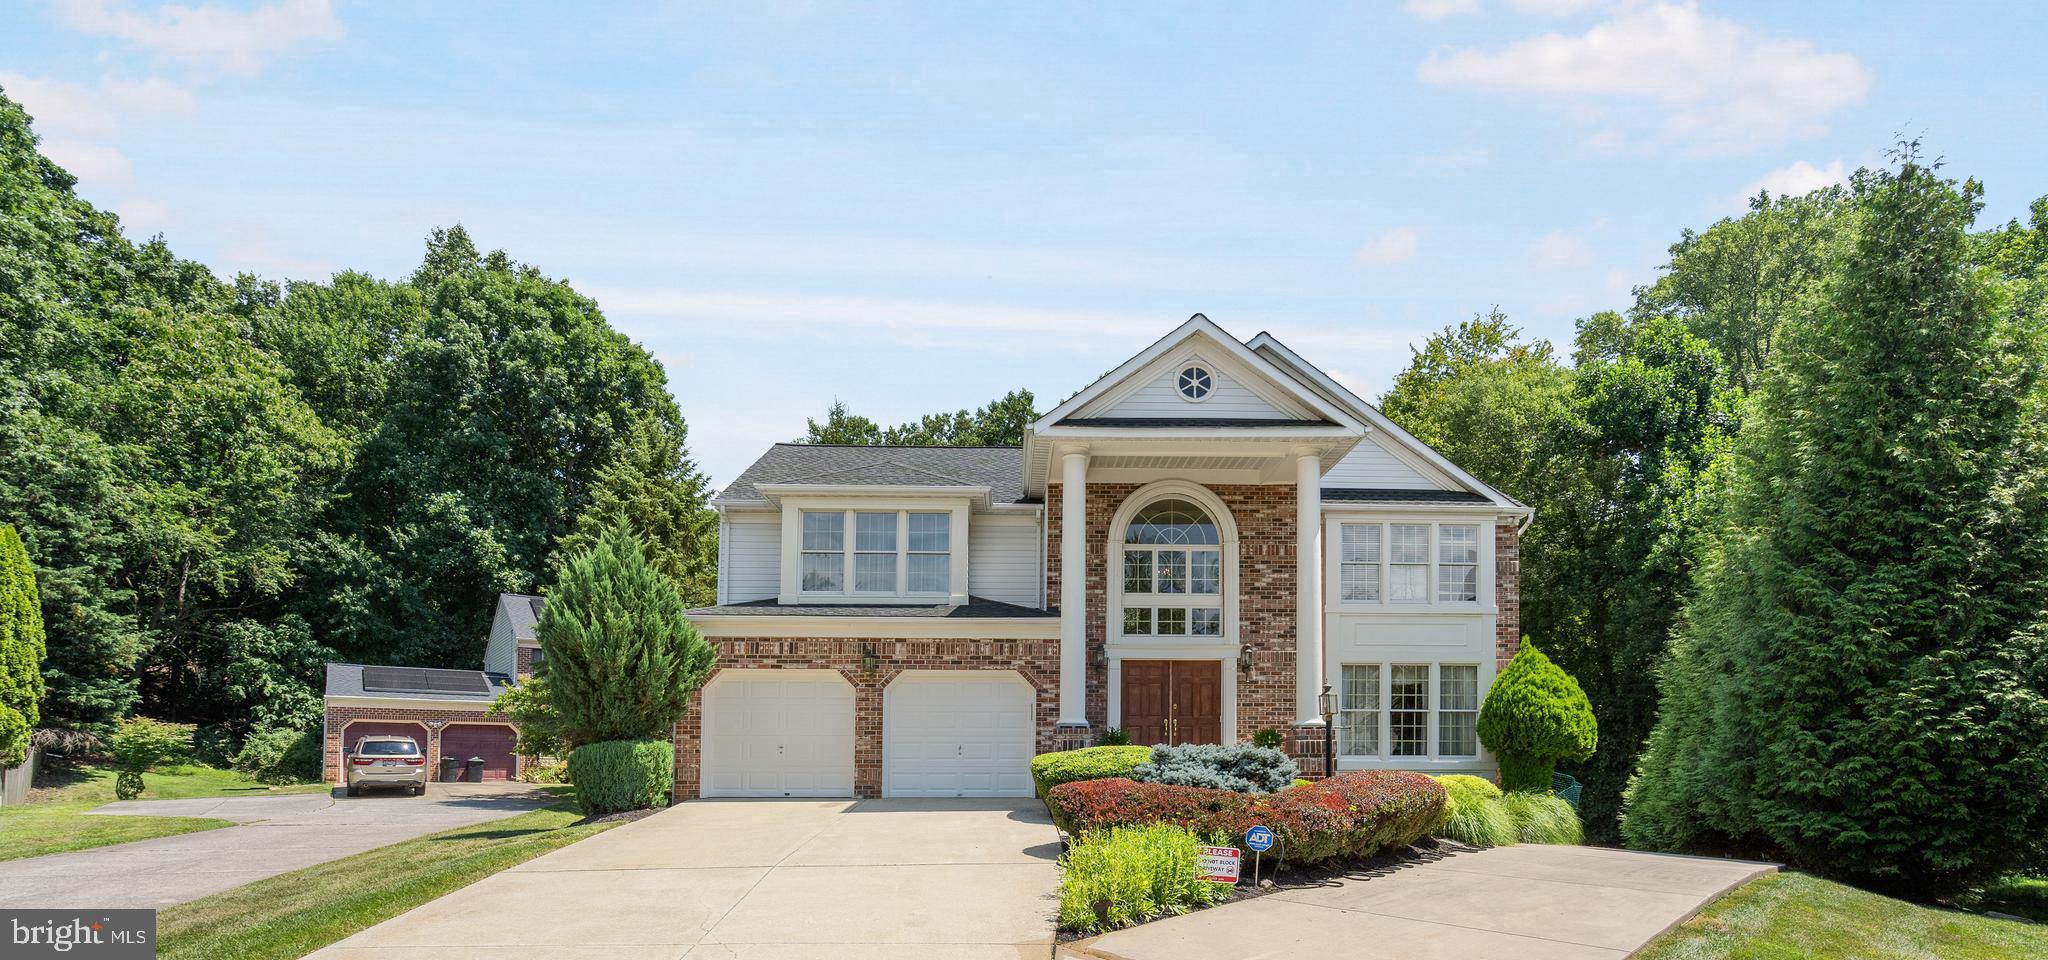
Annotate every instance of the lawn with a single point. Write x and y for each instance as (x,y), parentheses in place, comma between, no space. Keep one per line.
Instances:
(54,818)
(293,914)
(1792,916)
(2020,896)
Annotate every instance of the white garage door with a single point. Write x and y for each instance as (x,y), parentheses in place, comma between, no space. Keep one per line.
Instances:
(957,733)
(778,733)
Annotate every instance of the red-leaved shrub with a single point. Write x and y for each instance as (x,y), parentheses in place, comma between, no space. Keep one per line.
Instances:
(1349,815)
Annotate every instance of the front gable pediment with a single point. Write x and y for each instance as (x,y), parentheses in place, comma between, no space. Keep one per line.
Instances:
(1239,387)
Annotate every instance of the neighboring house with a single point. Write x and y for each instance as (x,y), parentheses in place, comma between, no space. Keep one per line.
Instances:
(447,711)
(895,621)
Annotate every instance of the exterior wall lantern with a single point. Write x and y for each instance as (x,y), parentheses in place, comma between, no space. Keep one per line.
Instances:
(868,660)
(1326,703)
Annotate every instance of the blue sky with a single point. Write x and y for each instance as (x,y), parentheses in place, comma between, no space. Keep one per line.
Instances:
(917,207)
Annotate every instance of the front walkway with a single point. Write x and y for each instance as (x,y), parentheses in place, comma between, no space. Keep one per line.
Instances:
(1529,902)
(781,879)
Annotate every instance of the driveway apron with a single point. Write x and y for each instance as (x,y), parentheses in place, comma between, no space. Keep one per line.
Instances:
(761,880)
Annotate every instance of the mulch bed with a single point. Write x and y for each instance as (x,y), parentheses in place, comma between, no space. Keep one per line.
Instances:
(623,816)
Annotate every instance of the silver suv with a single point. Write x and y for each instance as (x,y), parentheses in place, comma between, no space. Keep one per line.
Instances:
(384,761)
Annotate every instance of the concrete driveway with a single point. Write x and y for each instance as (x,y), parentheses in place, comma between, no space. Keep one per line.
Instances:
(273,835)
(761,880)
(1530,902)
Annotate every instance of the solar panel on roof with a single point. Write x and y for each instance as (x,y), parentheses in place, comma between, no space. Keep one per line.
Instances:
(424,680)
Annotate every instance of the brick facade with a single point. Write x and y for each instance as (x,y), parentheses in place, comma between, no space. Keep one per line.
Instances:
(1036,660)
(1507,592)
(523,666)
(339,717)
(1266,596)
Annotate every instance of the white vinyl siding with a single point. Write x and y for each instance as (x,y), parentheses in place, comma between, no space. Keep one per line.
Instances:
(1370,466)
(750,555)
(1002,559)
(501,651)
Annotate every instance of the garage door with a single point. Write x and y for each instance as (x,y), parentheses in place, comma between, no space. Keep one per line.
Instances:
(492,742)
(778,733)
(957,733)
(360,729)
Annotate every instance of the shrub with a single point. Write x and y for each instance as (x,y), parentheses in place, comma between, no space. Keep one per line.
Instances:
(1349,815)
(1134,873)
(1269,738)
(1240,768)
(214,747)
(1113,737)
(1049,770)
(622,659)
(1534,717)
(1542,818)
(22,648)
(1477,819)
(141,743)
(280,755)
(615,775)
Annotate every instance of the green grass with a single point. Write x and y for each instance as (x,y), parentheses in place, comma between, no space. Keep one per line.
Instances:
(293,914)
(1793,916)
(2021,896)
(1543,818)
(54,819)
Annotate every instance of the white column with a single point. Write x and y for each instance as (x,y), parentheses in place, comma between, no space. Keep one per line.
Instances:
(1308,579)
(1074,589)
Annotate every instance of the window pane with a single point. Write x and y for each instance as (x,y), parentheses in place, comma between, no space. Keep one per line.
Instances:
(1173,571)
(1137,571)
(1173,622)
(1138,621)
(1361,686)
(1207,622)
(1358,733)
(1410,543)
(930,573)
(1408,717)
(1456,583)
(824,531)
(1408,583)
(930,532)
(1458,543)
(874,572)
(1206,574)
(1358,723)
(1361,581)
(1361,543)
(1459,686)
(823,570)
(874,531)
(1457,734)
(1171,521)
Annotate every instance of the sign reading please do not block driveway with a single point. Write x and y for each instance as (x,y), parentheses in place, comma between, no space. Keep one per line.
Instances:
(1218,864)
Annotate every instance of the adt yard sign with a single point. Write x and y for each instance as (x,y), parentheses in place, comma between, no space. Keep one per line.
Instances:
(1218,864)
(1259,838)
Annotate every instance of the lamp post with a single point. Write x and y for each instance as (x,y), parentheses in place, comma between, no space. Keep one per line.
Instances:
(1327,703)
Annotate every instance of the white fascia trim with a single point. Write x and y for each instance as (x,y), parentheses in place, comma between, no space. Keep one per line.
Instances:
(1332,432)
(404,703)
(979,496)
(1462,510)
(880,628)
(1380,422)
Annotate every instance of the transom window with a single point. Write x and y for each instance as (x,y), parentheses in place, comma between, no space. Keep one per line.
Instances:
(1195,382)
(1393,562)
(1172,572)
(891,553)
(1390,711)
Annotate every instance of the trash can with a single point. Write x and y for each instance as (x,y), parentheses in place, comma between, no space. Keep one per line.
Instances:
(451,768)
(473,770)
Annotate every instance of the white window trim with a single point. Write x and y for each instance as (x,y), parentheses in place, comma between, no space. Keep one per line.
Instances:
(1226,530)
(1333,563)
(793,509)
(1431,722)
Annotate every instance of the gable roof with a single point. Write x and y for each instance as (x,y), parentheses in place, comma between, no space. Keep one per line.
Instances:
(999,469)
(523,611)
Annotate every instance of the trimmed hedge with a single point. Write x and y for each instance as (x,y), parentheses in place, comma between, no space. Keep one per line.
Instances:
(1534,717)
(1049,770)
(1349,815)
(618,775)
(1240,767)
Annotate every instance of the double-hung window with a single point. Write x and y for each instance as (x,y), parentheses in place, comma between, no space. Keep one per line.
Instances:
(892,553)
(1408,711)
(1408,563)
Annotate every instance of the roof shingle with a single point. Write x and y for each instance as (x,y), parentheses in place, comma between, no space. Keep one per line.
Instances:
(1001,469)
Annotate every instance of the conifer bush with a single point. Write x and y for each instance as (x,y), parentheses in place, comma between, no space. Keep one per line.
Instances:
(1534,718)
(21,649)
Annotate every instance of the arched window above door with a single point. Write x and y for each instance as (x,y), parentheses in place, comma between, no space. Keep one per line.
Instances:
(1172,572)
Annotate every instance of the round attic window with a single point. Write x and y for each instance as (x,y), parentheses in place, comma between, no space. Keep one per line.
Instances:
(1195,382)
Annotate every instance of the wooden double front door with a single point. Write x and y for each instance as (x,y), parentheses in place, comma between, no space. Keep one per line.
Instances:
(1173,701)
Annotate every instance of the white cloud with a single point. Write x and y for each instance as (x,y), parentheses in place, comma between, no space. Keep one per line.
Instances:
(90,163)
(1559,248)
(1554,8)
(154,95)
(1797,179)
(210,37)
(1705,80)
(59,107)
(1397,245)
(1439,9)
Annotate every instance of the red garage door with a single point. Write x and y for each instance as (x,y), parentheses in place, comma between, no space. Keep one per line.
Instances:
(492,742)
(364,728)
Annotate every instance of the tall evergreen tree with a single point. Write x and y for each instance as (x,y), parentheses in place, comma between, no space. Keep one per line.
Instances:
(655,488)
(21,648)
(1861,681)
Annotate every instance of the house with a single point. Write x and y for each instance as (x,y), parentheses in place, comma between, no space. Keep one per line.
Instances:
(1188,549)
(446,711)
